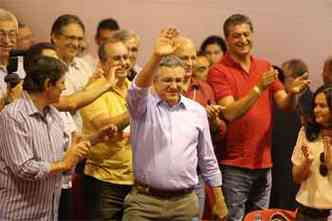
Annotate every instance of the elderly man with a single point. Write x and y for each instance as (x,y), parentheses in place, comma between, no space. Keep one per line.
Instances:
(8,33)
(244,85)
(170,139)
(33,143)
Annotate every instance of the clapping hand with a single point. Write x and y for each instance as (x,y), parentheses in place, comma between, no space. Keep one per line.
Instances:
(75,153)
(267,79)
(299,84)
(213,111)
(309,158)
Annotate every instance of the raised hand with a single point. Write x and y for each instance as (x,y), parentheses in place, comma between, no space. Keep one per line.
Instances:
(98,74)
(110,72)
(166,43)
(299,84)
(267,79)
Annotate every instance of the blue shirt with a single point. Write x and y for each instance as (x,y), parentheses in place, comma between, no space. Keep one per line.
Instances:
(170,142)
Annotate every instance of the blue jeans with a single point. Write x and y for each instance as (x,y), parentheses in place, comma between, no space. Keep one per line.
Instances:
(245,190)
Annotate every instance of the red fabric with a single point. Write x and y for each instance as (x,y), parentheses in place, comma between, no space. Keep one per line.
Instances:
(209,202)
(201,92)
(268,214)
(248,139)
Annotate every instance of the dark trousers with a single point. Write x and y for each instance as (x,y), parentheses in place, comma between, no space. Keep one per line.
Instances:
(105,200)
(66,205)
(311,214)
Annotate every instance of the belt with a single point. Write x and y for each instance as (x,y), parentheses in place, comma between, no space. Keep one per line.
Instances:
(313,212)
(146,189)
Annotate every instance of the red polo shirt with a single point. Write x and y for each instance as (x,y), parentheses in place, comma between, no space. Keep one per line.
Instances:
(248,139)
(201,92)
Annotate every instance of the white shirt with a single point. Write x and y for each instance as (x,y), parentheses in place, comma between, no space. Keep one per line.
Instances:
(76,78)
(316,190)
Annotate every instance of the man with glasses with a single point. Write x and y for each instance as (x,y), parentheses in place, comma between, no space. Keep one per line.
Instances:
(170,139)
(67,33)
(8,35)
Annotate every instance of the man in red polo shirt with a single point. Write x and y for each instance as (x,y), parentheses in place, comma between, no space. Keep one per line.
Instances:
(245,86)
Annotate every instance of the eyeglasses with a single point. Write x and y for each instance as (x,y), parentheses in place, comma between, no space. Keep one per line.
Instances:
(323,170)
(72,38)
(10,34)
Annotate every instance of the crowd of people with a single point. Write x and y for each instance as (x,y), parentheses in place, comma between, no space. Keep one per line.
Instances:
(214,133)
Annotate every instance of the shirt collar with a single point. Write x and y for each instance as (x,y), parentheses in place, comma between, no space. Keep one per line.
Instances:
(182,102)
(31,107)
(231,62)
(74,64)
(195,84)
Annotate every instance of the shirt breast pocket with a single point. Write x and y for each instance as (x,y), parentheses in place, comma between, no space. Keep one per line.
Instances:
(188,131)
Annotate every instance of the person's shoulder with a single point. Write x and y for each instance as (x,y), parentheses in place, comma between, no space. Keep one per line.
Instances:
(82,64)
(192,105)
(203,83)
(261,61)
(223,67)
(15,111)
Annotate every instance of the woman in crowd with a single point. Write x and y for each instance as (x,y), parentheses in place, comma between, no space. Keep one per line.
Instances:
(213,47)
(312,161)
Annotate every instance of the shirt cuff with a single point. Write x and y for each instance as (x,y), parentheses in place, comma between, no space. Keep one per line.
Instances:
(45,170)
(135,87)
(215,180)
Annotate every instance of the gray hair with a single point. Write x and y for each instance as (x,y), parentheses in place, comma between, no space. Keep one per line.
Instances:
(124,35)
(102,53)
(171,61)
(7,16)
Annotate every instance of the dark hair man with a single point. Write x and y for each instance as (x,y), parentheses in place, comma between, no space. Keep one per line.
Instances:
(244,85)
(33,143)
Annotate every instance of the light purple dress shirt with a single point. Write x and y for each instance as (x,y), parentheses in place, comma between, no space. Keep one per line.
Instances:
(170,142)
